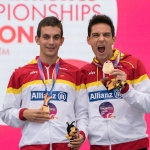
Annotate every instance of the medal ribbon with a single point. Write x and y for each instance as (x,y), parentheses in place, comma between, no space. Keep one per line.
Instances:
(116,62)
(47,97)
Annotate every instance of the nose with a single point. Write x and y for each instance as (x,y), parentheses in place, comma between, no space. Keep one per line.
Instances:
(101,38)
(51,41)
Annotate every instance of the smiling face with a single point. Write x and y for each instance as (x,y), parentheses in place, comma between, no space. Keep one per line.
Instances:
(101,41)
(50,40)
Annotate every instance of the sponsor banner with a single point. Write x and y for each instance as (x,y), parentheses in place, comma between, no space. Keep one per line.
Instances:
(104,95)
(56,96)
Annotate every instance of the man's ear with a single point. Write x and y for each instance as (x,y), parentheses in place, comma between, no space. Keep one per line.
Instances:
(88,40)
(62,41)
(37,40)
(114,40)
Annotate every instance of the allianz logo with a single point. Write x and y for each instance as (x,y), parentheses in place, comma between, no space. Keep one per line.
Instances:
(104,94)
(91,72)
(62,96)
(99,95)
(56,95)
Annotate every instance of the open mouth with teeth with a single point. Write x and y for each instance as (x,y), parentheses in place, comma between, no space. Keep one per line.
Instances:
(101,49)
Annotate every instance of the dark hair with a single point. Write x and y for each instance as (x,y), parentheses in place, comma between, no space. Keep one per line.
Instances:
(49,21)
(101,19)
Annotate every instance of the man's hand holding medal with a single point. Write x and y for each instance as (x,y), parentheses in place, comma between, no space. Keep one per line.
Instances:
(119,80)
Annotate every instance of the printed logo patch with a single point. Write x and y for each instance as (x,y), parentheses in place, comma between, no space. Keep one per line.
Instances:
(104,94)
(33,72)
(106,110)
(53,111)
(91,72)
(56,96)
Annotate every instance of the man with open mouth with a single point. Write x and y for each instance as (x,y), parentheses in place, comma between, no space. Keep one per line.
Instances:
(124,128)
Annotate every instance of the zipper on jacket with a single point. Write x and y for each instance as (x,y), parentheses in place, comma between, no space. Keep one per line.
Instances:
(48,78)
(110,148)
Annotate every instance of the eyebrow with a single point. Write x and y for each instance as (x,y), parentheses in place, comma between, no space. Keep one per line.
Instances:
(107,33)
(49,35)
(101,33)
(57,35)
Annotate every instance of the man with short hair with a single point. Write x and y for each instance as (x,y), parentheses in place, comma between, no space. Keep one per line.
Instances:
(118,92)
(45,94)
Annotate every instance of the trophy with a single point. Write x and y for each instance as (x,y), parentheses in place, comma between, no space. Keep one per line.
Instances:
(73,132)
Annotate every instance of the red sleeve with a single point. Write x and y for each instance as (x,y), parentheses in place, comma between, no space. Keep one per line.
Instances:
(82,133)
(21,114)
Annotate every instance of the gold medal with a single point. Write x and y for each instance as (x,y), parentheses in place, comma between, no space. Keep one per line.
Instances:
(107,67)
(45,108)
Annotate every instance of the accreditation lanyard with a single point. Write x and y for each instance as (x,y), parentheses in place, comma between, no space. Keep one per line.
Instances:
(47,95)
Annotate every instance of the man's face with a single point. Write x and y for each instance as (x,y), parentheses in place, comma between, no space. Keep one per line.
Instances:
(101,41)
(49,41)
